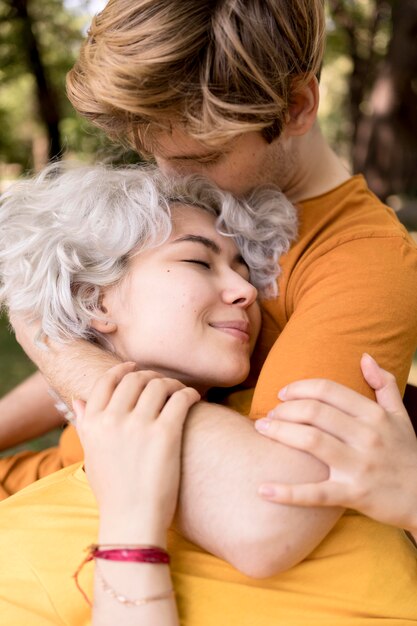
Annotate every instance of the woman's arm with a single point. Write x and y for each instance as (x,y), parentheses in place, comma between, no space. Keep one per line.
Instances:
(370,448)
(131,431)
(27,411)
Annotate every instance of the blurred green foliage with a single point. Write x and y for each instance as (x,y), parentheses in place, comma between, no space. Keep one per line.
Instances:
(58,31)
(14,364)
(14,367)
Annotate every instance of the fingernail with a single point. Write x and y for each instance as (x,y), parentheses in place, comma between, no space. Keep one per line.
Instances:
(368,356)
(266,491)
(262,424)
(282,393)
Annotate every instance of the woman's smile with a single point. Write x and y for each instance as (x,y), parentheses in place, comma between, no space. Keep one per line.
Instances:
(176,295)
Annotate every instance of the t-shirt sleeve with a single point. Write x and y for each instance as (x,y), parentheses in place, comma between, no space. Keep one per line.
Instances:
(358,296)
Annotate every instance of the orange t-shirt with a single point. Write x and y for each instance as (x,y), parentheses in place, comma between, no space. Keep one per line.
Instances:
(348,286)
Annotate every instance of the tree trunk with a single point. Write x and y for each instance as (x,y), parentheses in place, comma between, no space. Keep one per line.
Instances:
(47,100)
(385,149)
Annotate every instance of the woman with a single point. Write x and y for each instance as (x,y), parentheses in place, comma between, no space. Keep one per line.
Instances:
(26,467)
(134,261)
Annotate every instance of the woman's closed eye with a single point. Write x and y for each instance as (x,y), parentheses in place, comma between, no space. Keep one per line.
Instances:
(198,262)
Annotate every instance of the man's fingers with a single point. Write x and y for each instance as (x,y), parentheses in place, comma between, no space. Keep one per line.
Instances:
(306,438)
(384,384)
(105,385)
(326,493)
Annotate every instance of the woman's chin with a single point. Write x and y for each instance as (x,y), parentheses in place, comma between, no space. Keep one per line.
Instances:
(231,378)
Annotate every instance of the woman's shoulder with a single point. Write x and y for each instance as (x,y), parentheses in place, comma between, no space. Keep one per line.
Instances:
(67,487)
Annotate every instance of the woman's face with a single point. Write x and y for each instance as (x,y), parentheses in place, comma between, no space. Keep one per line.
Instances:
(186,308)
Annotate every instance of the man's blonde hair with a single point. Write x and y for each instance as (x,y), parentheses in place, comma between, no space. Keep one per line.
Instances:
(216,68)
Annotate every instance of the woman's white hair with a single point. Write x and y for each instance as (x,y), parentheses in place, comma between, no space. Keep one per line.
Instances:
(68,233)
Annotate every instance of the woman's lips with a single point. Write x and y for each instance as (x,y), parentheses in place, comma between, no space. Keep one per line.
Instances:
(236,328)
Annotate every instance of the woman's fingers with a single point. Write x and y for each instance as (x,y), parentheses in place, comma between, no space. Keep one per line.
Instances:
(176,409)
(322,445)
(155,396)
(359,440)
(348,401)
(121,391)
(326,493)
(333,394)
(105,385)
(384,384)
(319,414)
(129,389)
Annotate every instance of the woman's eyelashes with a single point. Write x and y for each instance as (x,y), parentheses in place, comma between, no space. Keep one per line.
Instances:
(198,262)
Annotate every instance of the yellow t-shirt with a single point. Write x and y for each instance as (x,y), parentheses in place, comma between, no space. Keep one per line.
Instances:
(363,573)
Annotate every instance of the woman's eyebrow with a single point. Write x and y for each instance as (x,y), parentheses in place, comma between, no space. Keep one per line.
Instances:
(211,245)
(198,156)
(208,243)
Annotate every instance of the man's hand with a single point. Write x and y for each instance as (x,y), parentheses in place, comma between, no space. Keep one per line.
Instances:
(26,334)
(370,447)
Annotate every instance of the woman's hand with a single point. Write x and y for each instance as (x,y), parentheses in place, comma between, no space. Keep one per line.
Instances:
(131,430)
(370,448)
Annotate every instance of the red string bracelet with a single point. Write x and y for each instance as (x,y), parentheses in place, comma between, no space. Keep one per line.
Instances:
(148,554)
(124,553)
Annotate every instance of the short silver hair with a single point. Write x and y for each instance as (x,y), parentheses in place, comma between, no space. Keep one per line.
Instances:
(68,233)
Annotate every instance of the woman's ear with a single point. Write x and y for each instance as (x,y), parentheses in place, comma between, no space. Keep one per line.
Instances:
(302,112)
(103,325)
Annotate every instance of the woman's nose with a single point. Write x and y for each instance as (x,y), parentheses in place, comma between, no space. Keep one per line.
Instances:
(240,291)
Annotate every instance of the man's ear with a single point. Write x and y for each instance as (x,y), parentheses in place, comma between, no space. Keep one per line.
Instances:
(302,112)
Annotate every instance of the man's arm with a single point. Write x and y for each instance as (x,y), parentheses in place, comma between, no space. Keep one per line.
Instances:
(27,411)
(70,369)
(225,460)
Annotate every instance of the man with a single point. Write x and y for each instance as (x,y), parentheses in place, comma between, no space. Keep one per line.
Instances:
(229,89)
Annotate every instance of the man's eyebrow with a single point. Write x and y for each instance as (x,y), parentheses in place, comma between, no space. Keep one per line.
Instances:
(209,243)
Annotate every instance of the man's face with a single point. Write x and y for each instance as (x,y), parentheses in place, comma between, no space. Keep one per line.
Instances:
(238,166)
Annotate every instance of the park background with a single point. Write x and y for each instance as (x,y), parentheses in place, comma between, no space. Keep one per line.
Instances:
(368,107)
